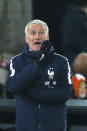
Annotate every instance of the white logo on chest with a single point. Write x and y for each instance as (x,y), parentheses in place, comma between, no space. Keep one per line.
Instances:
(50,73)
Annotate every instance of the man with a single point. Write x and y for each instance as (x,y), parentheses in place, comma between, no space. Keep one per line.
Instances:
(41,79)
(80,75)
(74,31)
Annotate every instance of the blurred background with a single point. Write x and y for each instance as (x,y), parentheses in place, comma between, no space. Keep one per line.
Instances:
(14,15)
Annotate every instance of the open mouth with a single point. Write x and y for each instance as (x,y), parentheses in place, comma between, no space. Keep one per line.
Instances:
(37,43)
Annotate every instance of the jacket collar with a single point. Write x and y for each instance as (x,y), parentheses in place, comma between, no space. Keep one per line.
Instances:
(33,54)
(28,52)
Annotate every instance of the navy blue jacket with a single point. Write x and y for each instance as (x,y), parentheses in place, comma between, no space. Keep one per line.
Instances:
(41,91)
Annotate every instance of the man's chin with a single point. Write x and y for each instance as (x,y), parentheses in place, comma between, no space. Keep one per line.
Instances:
(36,49)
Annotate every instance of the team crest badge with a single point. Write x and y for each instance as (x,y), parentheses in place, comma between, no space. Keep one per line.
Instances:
(51,83)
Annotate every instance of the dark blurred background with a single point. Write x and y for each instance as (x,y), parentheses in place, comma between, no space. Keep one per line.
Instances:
(14,15)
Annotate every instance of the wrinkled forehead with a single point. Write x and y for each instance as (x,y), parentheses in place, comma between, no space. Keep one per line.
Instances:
(36,27)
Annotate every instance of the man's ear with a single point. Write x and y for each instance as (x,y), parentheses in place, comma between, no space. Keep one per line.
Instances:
(26,39)
(48,37)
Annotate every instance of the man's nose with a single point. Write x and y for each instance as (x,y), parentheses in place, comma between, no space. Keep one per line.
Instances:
(37,35)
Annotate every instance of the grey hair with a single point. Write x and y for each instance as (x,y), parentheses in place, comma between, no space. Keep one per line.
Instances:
(36,21)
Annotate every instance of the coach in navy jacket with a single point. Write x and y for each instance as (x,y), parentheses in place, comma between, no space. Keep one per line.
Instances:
(41,80)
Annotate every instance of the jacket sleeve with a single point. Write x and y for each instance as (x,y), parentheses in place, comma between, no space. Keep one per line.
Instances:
(20,80)
(55,95)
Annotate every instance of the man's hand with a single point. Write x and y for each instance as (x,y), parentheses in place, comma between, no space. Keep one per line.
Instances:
(46,45)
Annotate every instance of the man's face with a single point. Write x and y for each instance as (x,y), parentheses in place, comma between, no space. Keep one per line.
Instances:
(35,37)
